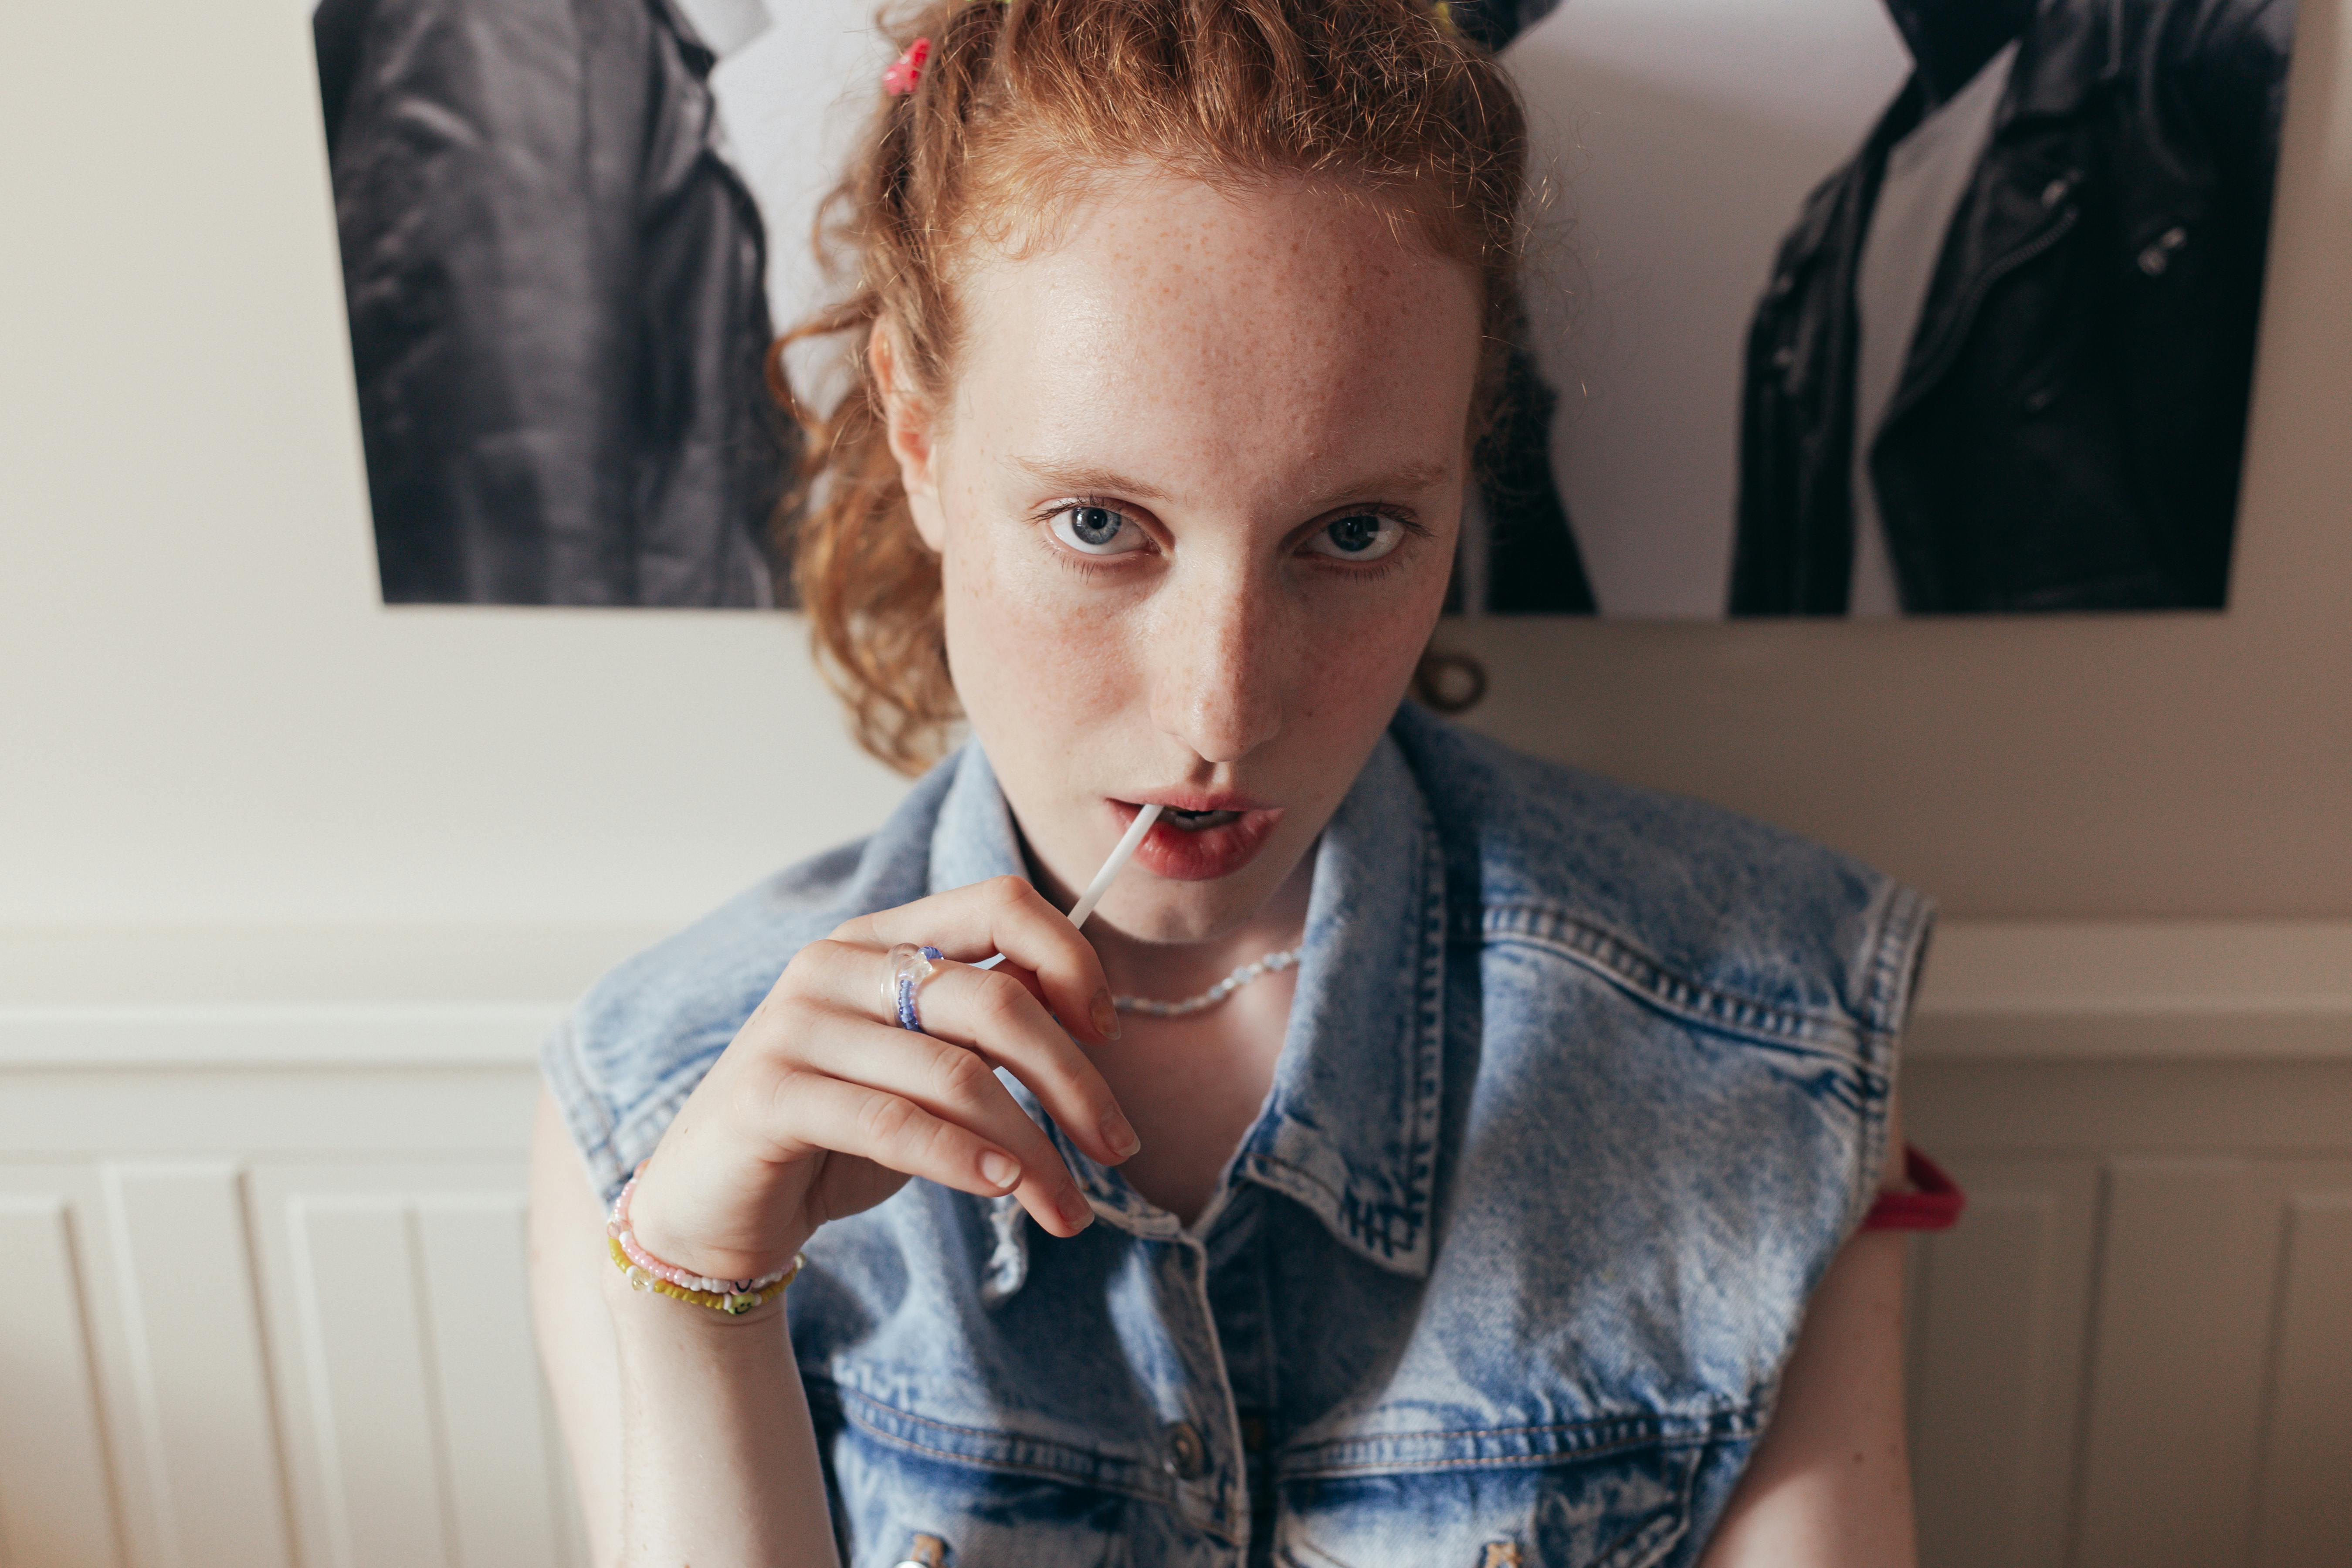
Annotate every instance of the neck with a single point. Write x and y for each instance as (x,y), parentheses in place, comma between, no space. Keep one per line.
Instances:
(1950,40)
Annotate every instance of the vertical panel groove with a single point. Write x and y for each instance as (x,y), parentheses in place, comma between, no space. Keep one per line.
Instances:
(371,1381)
(59,1494)
(215,1479)
(435,1408)
(145,1395)
(2087,1376)
(2304,1490)
(324,1441)
(250,1266)
(2273,1350)
(70,1221)
(506,1500)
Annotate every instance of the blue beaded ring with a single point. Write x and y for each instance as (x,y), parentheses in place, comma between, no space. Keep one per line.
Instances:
(910,967)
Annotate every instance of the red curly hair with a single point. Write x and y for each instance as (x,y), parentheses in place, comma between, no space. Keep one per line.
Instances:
(1019,104)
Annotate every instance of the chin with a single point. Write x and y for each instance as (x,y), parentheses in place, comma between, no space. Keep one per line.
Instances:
(1171,913)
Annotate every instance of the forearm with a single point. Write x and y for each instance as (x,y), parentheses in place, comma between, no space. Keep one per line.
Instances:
(718,1454)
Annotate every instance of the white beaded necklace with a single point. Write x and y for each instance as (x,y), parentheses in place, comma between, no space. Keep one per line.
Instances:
(1215,994)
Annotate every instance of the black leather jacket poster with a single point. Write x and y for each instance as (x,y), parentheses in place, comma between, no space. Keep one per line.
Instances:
(1879,308)
(2067,429)
(563,227)
(557,292)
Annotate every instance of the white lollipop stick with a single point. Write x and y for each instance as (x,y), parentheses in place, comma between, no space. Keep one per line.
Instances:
(1103,878)
(1115,865)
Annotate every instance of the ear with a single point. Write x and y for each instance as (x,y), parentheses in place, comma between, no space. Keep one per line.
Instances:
(907,417)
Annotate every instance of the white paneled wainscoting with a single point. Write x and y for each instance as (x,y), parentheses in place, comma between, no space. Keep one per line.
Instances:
(261,1207)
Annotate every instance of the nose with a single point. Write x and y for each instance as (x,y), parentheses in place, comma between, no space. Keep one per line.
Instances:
(1219,652)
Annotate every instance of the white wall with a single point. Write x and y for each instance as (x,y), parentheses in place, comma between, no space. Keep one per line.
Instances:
(205,717)
(209,716)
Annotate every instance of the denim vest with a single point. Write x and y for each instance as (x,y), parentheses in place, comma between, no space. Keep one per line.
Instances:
(1583,1088)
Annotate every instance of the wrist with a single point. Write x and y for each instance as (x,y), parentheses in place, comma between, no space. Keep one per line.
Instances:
(639,1315)
(668,1211)
(734,1295)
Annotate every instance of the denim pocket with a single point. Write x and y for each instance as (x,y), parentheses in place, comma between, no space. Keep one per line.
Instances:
(1627,1508)
(982,1518)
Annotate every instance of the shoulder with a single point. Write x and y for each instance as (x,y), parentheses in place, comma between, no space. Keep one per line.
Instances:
(1726,921)
(630,1051)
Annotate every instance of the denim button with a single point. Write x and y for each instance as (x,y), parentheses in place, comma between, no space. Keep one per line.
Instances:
(1186,1456)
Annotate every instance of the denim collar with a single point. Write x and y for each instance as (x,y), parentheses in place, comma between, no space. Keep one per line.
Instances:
(1349,1129)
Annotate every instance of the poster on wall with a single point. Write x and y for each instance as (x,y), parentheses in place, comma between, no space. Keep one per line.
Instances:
(1854,308)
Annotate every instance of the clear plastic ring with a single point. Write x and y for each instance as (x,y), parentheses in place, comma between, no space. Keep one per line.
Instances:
(909,966)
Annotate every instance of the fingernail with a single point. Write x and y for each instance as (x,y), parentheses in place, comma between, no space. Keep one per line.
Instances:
(1076,1211)
(1105,1015)
(1119,1135)
(998,1170)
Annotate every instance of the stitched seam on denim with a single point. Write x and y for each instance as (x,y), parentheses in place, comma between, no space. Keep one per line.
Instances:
(1497,1461)
(1410,1208)
(1617,956)
(1902,925)
(1421,1157)
(983,1434)
(1268,1166)
(1393,1231)
(1617,1434)
(1897,934)
(1000,1467)
(1727,1419)
(1041,1454)
(1327,1202)
(1649,981)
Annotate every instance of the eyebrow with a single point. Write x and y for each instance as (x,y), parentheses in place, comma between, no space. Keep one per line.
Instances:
(1081,478)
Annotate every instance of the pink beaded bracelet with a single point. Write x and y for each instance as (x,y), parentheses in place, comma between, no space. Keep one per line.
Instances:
(646,1272)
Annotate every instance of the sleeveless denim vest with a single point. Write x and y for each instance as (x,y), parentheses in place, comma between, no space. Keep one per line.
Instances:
(1583,1088)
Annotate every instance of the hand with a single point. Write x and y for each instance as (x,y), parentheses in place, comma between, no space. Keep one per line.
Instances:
(822,1106)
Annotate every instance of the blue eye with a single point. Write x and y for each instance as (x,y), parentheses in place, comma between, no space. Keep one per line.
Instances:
(1096,530)
(1365,536)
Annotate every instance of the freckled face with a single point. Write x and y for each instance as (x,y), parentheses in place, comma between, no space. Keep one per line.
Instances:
(1196,497)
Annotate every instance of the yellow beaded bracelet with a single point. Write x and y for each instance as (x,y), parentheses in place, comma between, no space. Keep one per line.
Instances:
(734,1303)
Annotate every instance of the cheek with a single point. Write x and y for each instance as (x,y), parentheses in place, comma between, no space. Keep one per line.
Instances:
(1363,647)
(1028,646)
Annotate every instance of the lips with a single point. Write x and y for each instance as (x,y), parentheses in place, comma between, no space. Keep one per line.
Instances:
(1200,838)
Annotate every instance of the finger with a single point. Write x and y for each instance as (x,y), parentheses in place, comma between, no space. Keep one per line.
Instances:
(955,1085)
(820,1111)
(1005,915)
(990,1012)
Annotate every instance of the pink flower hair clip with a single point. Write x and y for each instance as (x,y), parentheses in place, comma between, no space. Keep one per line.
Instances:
(906,72)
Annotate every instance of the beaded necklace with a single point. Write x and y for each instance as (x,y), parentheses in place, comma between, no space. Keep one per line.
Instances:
(1269,964)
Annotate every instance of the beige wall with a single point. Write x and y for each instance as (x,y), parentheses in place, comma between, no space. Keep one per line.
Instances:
(211,719)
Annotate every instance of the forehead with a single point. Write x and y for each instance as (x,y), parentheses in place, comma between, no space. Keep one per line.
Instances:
(1277,326)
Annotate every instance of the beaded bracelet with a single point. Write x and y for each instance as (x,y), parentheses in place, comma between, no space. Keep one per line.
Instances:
(646,1272)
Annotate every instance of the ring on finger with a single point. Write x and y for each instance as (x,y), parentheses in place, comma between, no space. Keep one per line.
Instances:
(909,966)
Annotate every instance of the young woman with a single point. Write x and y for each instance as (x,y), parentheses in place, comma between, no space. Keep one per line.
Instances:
(1517,1222)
